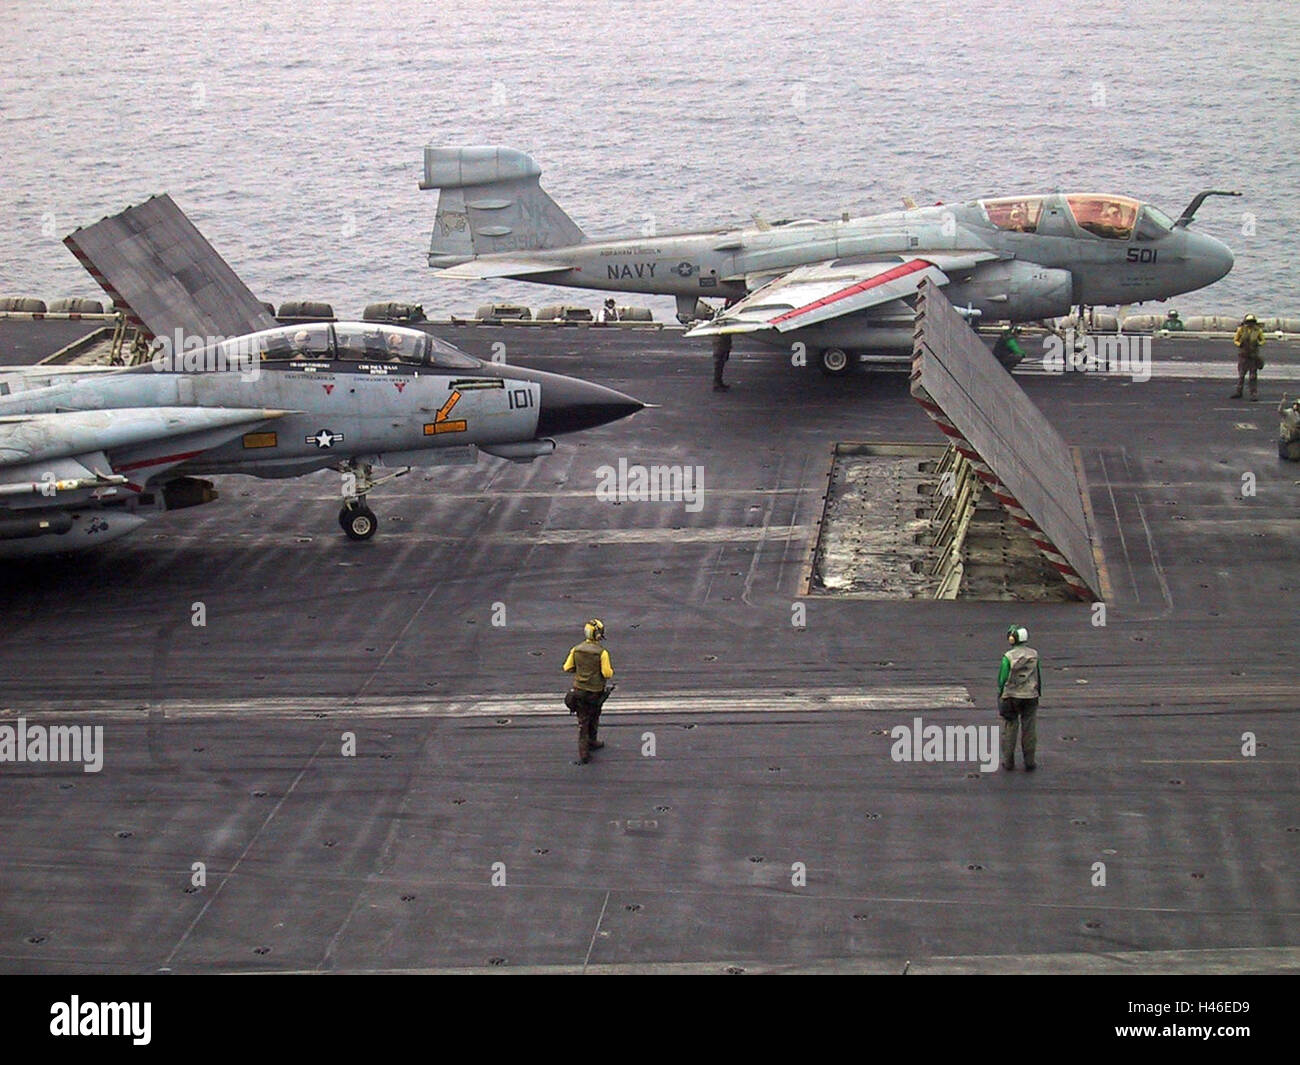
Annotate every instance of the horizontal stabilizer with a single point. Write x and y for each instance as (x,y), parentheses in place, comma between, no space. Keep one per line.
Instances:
(481,269)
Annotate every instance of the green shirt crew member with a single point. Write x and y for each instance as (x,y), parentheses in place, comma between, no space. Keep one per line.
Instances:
(1248,338)
(1173,323)
(1008,349)
(1020,683)
(590,665)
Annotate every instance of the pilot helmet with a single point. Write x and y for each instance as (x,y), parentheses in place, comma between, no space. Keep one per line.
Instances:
(1250,319)
(594,629)
(1017,634)
(301,337)
(394,340)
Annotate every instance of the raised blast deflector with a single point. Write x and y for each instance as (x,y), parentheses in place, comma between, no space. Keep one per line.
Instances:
(1014,448)
(155,263)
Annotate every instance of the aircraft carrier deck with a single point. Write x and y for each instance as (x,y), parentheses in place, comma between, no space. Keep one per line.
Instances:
(770,830)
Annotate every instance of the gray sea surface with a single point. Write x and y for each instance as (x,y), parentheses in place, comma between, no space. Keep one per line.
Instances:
(292,132)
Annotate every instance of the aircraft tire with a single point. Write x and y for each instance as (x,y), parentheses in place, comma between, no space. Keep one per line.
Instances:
(835,362)
(359,523)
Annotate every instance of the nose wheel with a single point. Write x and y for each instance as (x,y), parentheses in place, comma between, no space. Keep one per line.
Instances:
(358,520)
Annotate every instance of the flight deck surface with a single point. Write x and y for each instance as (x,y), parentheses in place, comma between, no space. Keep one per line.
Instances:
(746,811)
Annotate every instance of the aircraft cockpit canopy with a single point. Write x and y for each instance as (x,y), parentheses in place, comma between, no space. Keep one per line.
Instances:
(351,342)
(1017,214)
(1153,223)
(1111,217)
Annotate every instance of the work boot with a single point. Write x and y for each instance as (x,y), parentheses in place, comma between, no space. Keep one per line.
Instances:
(720,386)
(1236,394)
(1009,765)
(1030,767)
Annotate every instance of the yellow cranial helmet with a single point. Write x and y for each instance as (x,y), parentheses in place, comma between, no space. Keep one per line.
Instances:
(595,629)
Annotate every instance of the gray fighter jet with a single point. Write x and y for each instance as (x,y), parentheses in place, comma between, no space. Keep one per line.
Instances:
(89,455)
(839,288)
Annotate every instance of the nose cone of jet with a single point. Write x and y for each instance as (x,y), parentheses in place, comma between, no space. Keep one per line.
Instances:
(1213,259)
(570,405)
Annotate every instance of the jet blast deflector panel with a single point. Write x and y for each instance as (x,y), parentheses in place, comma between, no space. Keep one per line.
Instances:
(154,262)
(1014,448)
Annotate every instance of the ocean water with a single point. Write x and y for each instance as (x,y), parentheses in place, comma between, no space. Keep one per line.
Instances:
(292,132)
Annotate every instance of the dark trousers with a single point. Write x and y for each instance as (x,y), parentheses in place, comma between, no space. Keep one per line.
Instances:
(1247,367)
(587,706)
(721,353)
(1019,721)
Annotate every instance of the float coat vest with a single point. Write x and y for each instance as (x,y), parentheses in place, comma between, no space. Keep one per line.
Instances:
(1022,680)
(586,667)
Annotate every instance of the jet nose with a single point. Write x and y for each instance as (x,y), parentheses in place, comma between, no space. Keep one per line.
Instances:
(570,405)
(1215,258)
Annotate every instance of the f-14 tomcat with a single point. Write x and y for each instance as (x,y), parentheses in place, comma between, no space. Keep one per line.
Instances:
(840,288)
(89,455)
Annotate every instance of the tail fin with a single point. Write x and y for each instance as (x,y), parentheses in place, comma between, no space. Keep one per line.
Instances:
(491,201)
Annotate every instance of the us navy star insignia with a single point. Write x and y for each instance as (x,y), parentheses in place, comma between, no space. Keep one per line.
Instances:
(325,439)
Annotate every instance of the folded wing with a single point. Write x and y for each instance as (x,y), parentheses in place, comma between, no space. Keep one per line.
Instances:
(817,292)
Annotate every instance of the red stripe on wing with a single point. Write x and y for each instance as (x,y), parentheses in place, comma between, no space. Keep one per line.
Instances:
(862,286)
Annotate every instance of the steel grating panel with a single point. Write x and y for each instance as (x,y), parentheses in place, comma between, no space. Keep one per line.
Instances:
(1014,448)
(153,262)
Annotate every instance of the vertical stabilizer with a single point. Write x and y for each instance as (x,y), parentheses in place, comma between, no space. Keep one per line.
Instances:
(490,201)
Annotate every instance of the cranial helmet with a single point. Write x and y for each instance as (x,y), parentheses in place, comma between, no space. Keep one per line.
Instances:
(1017,634)
(1250,318)
(595,629)
(1173,314)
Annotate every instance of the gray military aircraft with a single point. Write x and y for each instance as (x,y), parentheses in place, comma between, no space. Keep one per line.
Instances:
(88,455)
(840,288)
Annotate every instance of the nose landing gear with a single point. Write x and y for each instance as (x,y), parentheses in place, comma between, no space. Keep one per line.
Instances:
(356,519)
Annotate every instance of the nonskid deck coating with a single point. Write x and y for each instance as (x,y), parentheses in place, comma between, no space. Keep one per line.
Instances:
(771,742)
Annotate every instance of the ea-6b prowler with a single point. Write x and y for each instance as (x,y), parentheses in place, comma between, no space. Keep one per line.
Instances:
(841,288)
(89,455)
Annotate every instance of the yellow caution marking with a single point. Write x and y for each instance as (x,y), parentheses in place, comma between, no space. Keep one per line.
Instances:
(440,424)
(259,440)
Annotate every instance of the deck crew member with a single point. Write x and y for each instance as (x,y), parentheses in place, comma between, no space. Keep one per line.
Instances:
(1248,338)
(1020,682)
(1007,349)
(589,663)
(1173,324)
(607,313)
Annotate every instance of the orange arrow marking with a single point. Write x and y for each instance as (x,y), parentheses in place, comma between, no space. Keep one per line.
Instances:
(440,424)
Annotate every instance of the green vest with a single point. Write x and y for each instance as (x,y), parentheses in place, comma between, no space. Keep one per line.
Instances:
(586,667)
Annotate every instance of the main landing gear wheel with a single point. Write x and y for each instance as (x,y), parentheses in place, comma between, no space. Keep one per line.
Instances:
(835,362)
(358,522)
